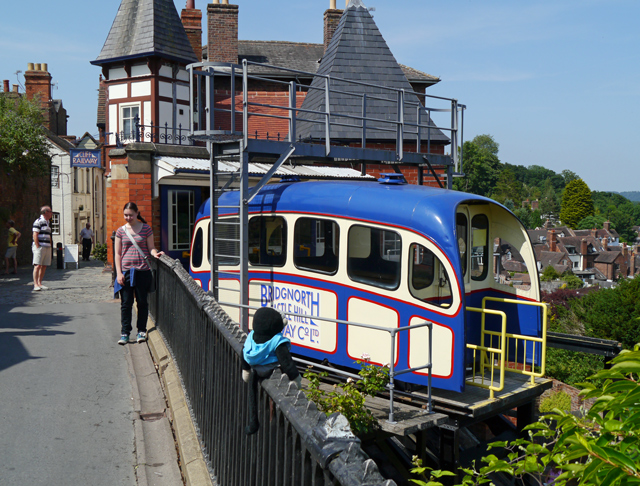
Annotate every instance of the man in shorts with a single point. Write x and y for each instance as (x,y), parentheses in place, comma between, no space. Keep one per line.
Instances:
(12,247)
(41,247)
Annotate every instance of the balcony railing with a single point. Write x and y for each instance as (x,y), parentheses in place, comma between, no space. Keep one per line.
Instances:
(154,133)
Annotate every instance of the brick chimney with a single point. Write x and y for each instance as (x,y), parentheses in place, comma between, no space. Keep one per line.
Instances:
(535,205)
(37,84)
(222,35)
(551,240)
(594,232)
(192,22)
(607,225)
(6,86)
(583,254)
(605,243)
(632,264)
(331,20)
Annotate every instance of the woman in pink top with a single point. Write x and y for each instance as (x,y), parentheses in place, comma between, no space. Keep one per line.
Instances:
(133,271)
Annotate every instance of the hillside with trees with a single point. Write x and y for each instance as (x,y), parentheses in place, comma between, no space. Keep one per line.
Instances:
(560,196)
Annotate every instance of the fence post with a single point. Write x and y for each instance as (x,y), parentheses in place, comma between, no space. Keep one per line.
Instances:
(113,256)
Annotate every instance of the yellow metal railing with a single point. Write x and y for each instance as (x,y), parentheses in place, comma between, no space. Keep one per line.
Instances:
(493,357)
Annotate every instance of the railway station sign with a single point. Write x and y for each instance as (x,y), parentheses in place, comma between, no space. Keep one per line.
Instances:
(85,158)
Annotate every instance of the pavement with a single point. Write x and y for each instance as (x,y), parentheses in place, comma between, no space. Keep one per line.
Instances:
(76,408)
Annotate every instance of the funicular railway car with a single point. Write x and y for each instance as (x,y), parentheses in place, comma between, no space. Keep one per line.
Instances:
(387,254)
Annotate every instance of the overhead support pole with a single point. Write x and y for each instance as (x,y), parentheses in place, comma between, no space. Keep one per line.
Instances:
(283,158)
(244,239)
(327,124)
(292,111)
(433,172)
(400,127)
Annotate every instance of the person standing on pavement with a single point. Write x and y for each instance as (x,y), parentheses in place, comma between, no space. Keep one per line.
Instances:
(133,271)
(12,247)
(41,247)
(86,236)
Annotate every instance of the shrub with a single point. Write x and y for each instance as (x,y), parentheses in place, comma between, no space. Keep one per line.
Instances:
(348,398)
(560,400)
(100,252)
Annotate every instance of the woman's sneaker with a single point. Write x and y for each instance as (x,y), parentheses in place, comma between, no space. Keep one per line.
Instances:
(142,337)
(124,339)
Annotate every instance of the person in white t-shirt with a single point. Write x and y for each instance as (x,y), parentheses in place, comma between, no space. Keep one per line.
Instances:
(87,238)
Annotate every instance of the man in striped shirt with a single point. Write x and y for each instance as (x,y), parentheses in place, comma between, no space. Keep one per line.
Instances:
(41,247)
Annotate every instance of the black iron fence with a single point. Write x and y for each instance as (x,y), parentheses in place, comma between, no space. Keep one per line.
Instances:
(296,444)
(153,133)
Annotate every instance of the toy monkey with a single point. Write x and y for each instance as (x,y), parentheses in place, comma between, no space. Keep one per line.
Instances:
(265,349)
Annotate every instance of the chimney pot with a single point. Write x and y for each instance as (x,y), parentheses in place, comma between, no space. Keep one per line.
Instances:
(6,86)
(191,4)
(45,67)
(38,67)
(332,4)
(15,88)
(30,66)
(225,2)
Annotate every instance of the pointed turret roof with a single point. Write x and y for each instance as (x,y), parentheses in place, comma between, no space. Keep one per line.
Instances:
(144,28)
(358,52)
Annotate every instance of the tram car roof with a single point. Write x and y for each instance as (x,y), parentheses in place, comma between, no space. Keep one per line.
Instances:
(427,210)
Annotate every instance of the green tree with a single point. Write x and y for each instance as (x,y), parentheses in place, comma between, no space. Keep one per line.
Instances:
(508,187)
(576,203)
(601,448)
(480,165)
(569,176)
(23,145)
(612,313)
(591,222)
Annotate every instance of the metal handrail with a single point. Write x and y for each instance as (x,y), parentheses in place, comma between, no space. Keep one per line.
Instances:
(205,72)
(542,340)
(392,372)
(501,350)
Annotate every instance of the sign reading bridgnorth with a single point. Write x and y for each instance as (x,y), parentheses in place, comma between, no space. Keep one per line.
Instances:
(85,158)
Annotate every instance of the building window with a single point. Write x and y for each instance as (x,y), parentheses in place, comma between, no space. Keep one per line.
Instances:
(181,219)
(128,114)
(88,181)
(75,180)
(55,176)
(55,224)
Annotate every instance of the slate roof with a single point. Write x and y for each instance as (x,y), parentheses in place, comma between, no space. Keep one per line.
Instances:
(608,256)
(144,28)
(300,56)
(358,52)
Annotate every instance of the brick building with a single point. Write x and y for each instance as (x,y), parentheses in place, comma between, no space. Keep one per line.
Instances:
(145,82)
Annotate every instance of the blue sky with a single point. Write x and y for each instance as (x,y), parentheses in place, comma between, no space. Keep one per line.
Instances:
(555,82)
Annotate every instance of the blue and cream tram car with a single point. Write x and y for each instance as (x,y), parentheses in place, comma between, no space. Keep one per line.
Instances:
(388,254)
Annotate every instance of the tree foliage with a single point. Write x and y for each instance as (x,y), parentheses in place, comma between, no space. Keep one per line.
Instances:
(23,145)
(601,448)
(481,166)
(576,203)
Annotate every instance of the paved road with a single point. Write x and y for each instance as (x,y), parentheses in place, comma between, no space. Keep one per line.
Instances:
(69,397)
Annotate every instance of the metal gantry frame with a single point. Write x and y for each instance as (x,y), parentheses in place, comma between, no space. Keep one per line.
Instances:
(208,120)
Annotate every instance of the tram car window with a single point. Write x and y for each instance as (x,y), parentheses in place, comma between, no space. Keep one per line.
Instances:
(316,245)
(461,229)
(428,279)
(228,241)
(479,247)
(374,256)
(197,248)
(267,241)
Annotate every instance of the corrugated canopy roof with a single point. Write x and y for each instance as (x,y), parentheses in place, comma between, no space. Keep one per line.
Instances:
(176,165)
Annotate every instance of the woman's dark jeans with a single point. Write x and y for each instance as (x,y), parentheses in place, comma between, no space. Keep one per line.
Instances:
(140,290)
